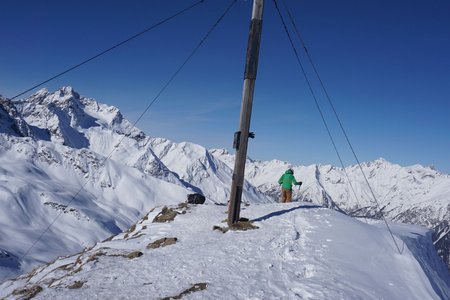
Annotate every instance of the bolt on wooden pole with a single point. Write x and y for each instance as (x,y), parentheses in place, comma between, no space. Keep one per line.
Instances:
(241,136)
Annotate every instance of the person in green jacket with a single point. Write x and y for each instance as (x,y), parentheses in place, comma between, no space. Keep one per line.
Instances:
(287,180)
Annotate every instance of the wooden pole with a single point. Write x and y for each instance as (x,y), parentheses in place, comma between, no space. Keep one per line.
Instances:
(241,137)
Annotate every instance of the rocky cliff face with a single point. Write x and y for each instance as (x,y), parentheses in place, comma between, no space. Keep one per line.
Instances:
(11,122)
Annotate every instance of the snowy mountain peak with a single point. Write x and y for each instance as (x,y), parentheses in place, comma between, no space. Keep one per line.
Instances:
(42,92)
(75,107)
(68,90)
(381,160)
(66,118)
(65,94)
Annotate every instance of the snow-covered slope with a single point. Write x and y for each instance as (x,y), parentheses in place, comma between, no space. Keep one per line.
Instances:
(412,195)
(196,165)
(41,181)
(299,251)
(69,157)
(81,122)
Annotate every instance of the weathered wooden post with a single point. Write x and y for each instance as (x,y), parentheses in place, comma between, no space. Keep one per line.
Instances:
(241,136)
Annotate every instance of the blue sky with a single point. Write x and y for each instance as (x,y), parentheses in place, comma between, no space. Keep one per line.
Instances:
(386,65)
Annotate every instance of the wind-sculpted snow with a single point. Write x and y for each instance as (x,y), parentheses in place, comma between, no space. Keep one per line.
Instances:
(297,251)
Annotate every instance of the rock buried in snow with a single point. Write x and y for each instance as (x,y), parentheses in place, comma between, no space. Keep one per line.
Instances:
(134,254)
(166,215)
(196,198)
(221,229)
(162,243)
(195,288)
(243,225)
(27,293)
(76,285)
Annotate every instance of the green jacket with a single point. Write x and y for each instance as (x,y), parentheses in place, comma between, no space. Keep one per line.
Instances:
(287,180)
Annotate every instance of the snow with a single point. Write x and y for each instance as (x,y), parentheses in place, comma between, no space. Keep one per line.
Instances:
(54,168)
(299,251)
(46,185)
(64,173)
(196,165)
(398,189)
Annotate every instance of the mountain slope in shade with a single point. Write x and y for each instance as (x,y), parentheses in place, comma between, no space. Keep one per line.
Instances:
(299,250)
(11,122)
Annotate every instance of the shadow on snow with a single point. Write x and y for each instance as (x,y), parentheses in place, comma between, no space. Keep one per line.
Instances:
(284,211)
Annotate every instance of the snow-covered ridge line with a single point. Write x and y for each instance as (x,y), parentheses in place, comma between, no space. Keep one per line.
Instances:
(295,249)
(413,195)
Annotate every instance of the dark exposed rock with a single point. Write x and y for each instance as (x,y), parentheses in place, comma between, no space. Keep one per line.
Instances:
(195,288)
(196,199)
(162,243)
(441,241)
(76,285)
(243,225)
(166,215)
(27,293)
(134,254)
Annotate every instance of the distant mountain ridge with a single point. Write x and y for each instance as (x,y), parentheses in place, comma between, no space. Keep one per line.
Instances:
(51,144)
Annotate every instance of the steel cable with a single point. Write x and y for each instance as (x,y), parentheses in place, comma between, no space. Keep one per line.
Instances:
(170,80)
(111,48)
(326,126)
